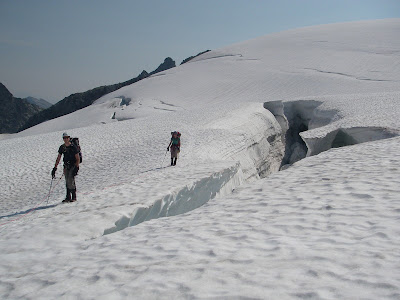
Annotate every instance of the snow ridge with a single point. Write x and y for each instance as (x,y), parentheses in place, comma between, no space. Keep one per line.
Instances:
(184,199)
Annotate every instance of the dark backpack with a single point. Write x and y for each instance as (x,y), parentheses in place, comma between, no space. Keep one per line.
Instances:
(75,141)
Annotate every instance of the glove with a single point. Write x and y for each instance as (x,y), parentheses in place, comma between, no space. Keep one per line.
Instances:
(76,169)
(53,172)
(179,149)
(167,148)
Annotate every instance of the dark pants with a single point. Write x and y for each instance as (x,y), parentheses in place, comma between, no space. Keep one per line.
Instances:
(69,177)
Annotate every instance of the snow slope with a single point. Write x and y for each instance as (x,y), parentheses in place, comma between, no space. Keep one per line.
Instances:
(325,227)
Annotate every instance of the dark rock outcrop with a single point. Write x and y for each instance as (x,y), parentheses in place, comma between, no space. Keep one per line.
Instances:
(167,64)
(191,57)
(14,112)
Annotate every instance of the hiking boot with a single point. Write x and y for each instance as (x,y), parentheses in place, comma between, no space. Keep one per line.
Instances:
(73,192)
(68,196)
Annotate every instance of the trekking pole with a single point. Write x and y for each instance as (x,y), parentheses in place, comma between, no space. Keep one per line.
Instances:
(163,159)
(51,184)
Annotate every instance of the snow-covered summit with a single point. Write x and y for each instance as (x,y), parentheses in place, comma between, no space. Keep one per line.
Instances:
(349,58)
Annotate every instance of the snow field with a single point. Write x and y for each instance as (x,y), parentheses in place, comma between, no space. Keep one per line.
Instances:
(270,239)
(124,149)
(326,227)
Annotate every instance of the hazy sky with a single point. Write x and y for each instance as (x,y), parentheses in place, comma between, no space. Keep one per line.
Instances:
(52,48)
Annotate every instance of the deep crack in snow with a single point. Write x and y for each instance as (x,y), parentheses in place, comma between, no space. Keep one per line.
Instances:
(283,149)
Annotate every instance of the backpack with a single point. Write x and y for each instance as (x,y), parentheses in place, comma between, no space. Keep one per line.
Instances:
(177,133)
(75,141)
(178,136)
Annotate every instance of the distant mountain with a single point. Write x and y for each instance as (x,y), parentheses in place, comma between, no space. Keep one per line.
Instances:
(39,102)
(167,64)
(78,101)
(14,112)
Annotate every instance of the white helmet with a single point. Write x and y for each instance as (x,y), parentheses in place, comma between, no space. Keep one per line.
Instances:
(65,135)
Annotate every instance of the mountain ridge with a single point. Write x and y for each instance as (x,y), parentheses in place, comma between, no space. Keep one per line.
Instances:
(41,110)
(78,101)
(39,102)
